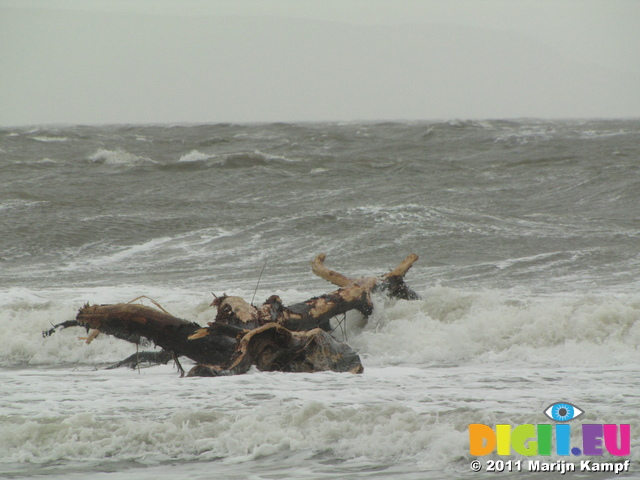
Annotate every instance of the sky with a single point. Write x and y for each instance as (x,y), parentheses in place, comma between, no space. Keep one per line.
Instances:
(207,61)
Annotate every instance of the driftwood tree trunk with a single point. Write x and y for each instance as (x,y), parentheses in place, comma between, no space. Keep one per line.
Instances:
(317,312)
(271,336)
(134,322)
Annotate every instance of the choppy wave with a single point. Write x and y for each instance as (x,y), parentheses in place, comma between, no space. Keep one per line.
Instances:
(194,156)
(47,139)
(119,157)
(448,327)
(232,159)
(19,203)
(259,428)
(527,233)
(432,367)
(391,415)
(451,326)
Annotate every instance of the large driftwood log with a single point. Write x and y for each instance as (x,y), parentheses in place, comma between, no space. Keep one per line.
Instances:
(272,347)
(133,322)
(271,336)
(317,312)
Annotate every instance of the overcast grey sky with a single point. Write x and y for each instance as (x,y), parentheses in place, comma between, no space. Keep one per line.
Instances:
(165,61)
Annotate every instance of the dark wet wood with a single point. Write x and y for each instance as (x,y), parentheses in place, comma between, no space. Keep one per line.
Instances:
(132,322)
(275,348)
(317,312)
(271,336)
(139,359)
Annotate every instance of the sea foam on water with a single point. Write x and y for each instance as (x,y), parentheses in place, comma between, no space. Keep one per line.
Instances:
(527,233)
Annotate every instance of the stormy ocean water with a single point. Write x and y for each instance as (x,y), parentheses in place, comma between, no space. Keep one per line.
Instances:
(528,234)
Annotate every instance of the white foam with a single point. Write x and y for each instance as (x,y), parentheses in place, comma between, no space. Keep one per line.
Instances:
(51,139)
(155,250)
(526,133)
(271,157)
(449,326)
(385,416)
(194,156)
(239,418)
(453,326)
(25,314)
(18,203)
(118,256)
(431,367)
(591,134)
(118,157)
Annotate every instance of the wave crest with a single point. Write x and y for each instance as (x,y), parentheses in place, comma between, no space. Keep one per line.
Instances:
(119,157)
(452,327)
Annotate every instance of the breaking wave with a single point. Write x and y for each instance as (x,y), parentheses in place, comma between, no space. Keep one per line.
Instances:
(448,327)
(119,157)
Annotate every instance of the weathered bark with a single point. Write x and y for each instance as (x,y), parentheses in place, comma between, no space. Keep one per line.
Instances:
(392,284)
(221,349)
(133,322)
(139,359)
(317,312)
(275,348)
(271,336)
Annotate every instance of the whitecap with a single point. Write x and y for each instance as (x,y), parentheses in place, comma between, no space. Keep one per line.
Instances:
(18,203)
(595,134)
(245,159)
(118,157)
(456,327)
(194,156)
(50,139)
(270,157)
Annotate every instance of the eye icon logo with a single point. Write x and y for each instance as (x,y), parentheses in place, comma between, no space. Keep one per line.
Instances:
(563,412)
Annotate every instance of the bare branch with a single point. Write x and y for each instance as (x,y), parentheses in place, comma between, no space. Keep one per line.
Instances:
(318,268)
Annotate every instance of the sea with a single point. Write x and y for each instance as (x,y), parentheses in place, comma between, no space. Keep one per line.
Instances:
(528,237)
